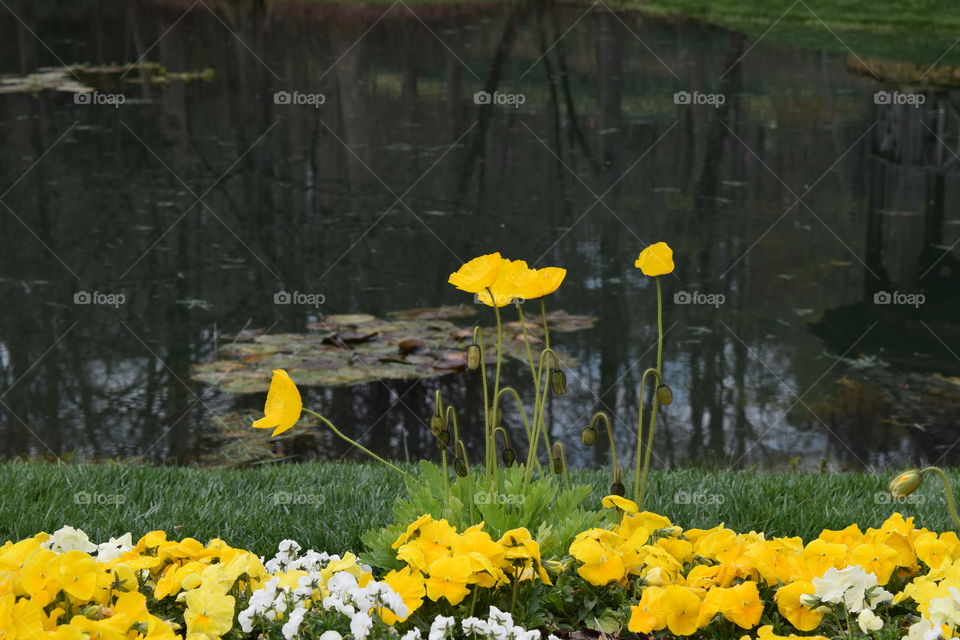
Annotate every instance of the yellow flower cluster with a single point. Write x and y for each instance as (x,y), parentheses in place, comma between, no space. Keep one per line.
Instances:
(693,576)
(447,563)
(497,281)
(72,596)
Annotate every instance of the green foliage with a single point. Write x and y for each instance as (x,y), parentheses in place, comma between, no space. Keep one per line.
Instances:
(552,513)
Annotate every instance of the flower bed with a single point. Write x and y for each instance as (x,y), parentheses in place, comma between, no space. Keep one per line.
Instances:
(639,573)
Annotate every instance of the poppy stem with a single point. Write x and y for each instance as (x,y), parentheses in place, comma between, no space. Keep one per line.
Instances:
(951,502)
(355,444)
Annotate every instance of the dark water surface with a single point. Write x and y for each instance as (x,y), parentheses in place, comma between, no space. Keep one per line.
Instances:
(789,206)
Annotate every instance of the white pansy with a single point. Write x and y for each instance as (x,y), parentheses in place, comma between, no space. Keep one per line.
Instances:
(114,548)
(360,625)
(330,635)
(413,634)
(441,627)
(473,625)
(869,621)
(291,627)
(69,539)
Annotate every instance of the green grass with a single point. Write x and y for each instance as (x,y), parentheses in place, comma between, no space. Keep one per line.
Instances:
(920,31)
(337,502)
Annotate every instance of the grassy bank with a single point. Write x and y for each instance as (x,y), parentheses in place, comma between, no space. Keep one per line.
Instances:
(922,31)
(328,506)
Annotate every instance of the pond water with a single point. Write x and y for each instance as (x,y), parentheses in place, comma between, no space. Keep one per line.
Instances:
(790,196)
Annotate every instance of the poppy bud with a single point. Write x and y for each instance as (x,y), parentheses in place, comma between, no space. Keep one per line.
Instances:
(509,457)
(497,416)
(558,382)
(664,395)
(588,437)
(556,458)
(437,425)
(443,439)
(906,483)
(617,488)
(460,467)
(473,356)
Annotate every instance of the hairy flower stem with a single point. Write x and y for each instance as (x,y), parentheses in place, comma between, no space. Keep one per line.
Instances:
(951,502)
(523,411)
(491,446)
(538,417)
(355,444)
(640,479)
(487,420)
(538,409)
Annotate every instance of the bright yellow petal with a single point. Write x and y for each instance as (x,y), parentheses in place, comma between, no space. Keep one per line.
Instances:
(655,260)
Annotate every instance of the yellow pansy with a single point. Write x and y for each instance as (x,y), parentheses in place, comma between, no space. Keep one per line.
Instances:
(647,616)
(448,578)
(741,605)
(284,405)
(596,549)
(655,260)
(477,274)
(878,559)
(619,502)
(790,607)
(208,612)
(681,608)
(408,583)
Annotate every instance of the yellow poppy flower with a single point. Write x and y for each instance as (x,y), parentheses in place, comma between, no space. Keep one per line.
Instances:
(681,608)
(208,612)
(647,616)
(477,274)
(448,579)
(508,285)
(536,283)
(283,406)
(798,614)
(655,260)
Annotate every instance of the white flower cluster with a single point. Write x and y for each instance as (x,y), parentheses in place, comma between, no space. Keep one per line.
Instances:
(271,602)
(69,539)
(855,589)
(498,626)
(942,611)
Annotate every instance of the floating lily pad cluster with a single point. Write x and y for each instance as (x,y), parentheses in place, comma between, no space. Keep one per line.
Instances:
(357,348)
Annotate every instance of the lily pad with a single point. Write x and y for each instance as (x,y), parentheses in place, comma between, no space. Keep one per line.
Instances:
(357,348)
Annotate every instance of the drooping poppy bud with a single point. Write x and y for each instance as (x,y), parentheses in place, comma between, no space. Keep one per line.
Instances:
(664,395)
(509,457)
(460,467)
(443,439)
(588,437)
(437,425)
(617,488)
(558,382)
(473,357)
(556,458)
(906,483)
